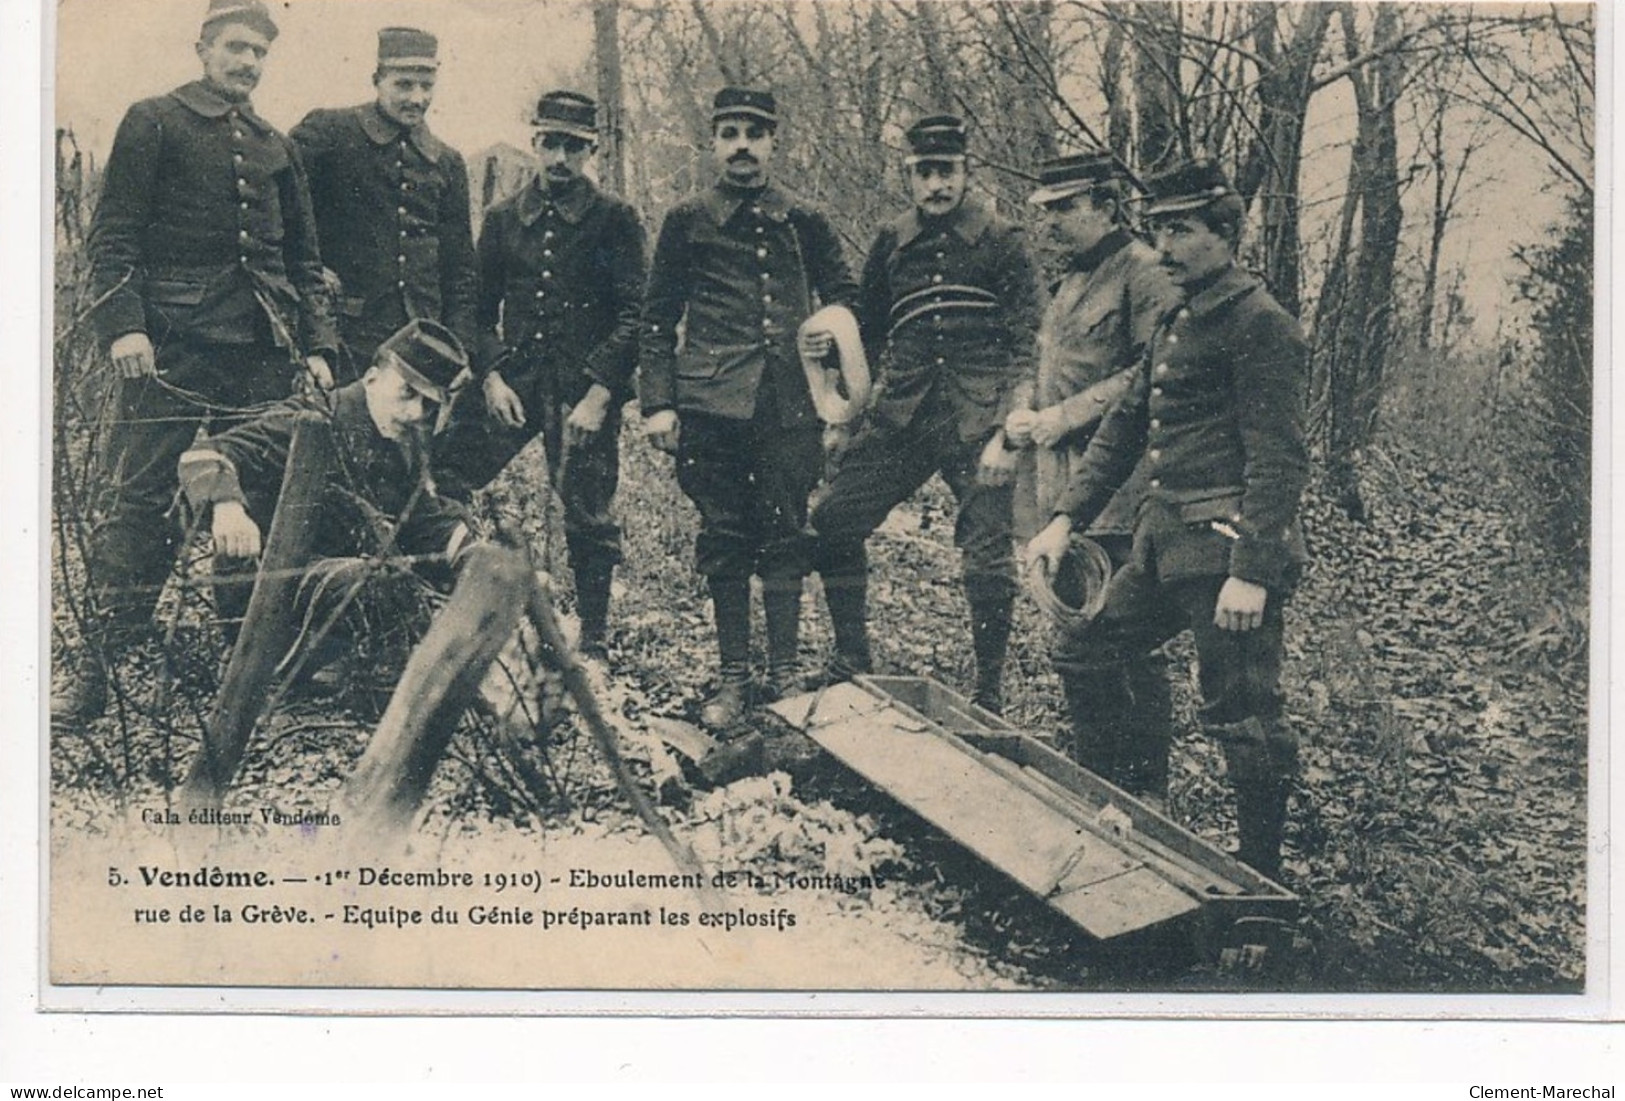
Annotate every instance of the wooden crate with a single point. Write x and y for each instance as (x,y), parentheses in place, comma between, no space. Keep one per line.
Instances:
(1107,861)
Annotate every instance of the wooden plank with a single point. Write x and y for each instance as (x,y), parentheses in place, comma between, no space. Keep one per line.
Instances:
(1006,825)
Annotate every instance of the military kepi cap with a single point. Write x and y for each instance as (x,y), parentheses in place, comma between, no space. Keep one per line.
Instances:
(1189,186)
(429,356)
(1063,177)
(567,113)
(253,13)
(936,138)
(407,48)
(752,103)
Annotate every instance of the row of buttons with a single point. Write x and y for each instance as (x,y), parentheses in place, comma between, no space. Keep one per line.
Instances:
(1161,370)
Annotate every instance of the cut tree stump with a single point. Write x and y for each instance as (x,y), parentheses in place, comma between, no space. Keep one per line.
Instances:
(439,682)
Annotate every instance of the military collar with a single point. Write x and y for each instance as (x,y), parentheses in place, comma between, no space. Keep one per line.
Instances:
(572,205)
(201,98)
(1232,284)
(968,221)
(1102,250)
(724,201)
(382,131)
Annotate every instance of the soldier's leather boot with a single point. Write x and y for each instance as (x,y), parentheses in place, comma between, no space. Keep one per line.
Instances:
(83,695)
(730,608)
(592,607)
(848,600)
(781,605)
(1261,756)
(991,597)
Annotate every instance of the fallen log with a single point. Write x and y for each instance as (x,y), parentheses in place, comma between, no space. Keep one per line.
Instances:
(268,627)
(440,680)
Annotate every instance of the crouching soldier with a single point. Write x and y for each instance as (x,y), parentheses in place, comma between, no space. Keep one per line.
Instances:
(561,292)
(1216,422)
(1101,314)
(378,500)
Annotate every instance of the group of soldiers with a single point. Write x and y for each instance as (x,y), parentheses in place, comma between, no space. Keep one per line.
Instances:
(1153,399)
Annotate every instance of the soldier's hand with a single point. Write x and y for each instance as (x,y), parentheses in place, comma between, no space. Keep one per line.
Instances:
(1050,545)
(1048,427)
(235,533)
(1018,426)
(503,403)
(837,438)
(133,356)
(587,418)
(662,430)
(320,373)
(998,464)
(1240,606)
(814,345)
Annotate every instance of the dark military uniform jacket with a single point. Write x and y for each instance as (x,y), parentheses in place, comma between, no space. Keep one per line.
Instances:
(1100,317)
(1216,421)
(378,499)
(949,303)
(561,290)
(204,230)
(741,269)
(392,206)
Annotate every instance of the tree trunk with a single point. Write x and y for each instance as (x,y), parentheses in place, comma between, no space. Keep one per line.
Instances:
(268,627)
(1159,137)
(611,106)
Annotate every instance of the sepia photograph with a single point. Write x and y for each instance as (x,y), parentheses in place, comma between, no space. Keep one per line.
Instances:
(1048,497)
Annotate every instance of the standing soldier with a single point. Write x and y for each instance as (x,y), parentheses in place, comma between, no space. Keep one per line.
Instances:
(208,291)
(740,265)
(1216,422)
(391,204)
(561,285)
(948,309)
(1101,314)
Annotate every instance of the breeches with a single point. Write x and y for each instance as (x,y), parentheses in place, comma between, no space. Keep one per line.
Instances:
(750,481)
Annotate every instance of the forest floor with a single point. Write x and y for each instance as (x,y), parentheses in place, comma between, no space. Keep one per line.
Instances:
(1435,668)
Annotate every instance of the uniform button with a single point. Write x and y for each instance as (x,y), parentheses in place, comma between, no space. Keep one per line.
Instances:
(1155,424)
(765,277)
(547,275)
(242,235)
(767,299)
(937,278)
(547,254)
(401,259)
(401,284)
(1161,368)
(548,236)
(540,294)
(1173,338)
(759,229)
(242,206)
(941,361)
(1156,454)
(1184,313)
(242,259)
(1156,391)
(403,234)
(236,133)
(761,253)
(755,210)
(242,184)
(767,323)
(1156,483)
(941,255)
(238,157)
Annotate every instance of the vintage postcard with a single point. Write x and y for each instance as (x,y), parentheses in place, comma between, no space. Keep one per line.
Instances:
(1069,499)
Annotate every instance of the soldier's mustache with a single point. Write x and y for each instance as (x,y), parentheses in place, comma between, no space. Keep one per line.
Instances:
(741,158)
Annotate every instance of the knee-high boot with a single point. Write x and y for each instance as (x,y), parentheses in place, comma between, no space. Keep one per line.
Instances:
(991,598)
(1262,758)
(730,607)
(781,605)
